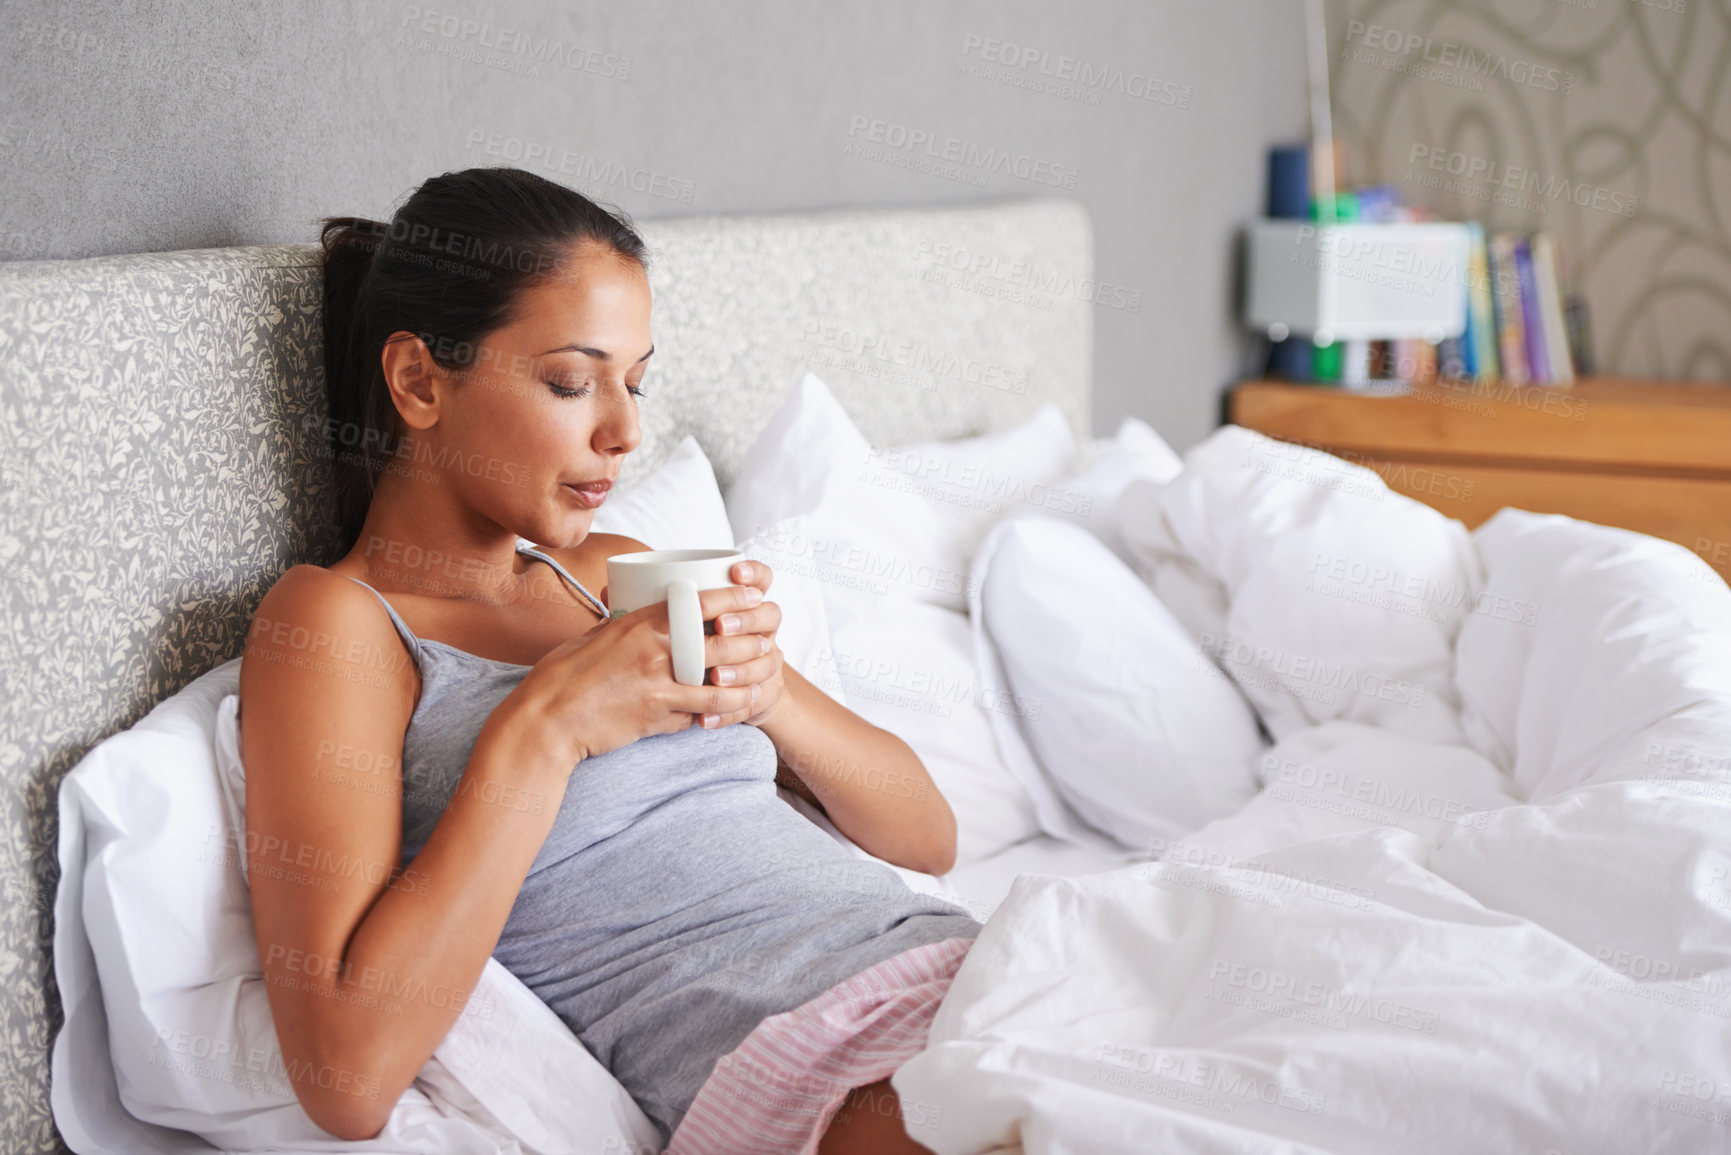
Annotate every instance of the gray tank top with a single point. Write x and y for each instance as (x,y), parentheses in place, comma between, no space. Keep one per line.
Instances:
(677,901)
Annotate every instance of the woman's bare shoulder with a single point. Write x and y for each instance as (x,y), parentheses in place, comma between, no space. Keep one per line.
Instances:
(316,618)
(316,589)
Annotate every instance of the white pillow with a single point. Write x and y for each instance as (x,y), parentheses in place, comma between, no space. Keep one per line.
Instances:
(912,672)
(891,564)
(1093,499)
(888,523)
(1145,738)
(168,1025)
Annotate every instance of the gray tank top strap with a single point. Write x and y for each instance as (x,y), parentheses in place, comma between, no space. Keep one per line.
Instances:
(593,601)
(414,643)
(408,635)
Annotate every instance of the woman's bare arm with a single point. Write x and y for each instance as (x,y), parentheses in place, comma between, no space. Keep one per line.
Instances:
(367,969)
(868,781)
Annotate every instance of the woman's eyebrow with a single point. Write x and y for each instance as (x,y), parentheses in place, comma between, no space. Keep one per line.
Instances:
(598,354)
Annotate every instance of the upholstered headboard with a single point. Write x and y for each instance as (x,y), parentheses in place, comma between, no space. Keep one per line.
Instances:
(160,457)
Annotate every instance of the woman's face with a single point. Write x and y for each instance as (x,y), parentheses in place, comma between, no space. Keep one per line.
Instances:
(549,402)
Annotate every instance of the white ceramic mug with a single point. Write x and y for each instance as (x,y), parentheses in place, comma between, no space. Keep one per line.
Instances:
(674,576)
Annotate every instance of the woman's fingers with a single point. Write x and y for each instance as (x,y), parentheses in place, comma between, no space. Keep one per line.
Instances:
(717,721)
(721,702)
(728,599)
(735,649)
(753,573)
(755,669)
(763,619)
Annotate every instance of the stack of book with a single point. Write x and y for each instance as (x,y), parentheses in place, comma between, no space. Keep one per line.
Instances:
(1518,329)
(1521,328)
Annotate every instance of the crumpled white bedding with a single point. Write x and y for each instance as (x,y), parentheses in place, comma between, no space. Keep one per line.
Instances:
(1495,921)
(1483,902)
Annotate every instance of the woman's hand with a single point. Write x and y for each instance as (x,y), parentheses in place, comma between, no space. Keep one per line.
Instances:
(742,650)
(614,684)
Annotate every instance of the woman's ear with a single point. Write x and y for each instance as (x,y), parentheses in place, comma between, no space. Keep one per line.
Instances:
(412,379)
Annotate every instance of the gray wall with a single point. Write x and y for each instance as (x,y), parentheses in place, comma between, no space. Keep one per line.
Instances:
(137,126)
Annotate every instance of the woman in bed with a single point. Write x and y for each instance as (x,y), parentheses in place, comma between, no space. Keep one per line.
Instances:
(459,756)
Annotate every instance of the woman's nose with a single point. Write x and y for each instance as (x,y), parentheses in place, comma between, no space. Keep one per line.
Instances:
(619,429)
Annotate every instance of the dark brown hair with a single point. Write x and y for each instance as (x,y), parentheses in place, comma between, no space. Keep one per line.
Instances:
(448,267)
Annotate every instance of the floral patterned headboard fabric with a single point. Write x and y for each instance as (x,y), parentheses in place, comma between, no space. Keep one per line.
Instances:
(162,458)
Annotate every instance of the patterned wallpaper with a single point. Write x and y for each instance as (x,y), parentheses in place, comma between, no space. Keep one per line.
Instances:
(1606,123)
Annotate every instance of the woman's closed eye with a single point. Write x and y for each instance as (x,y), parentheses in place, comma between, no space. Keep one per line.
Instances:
(583,390)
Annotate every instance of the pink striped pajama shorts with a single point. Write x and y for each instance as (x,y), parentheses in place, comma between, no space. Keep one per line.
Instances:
(776,1092)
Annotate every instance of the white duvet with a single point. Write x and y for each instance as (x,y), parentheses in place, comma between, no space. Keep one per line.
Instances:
(1483,902)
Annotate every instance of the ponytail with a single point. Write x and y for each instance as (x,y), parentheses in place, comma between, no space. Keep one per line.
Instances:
(448,268)
(357,427)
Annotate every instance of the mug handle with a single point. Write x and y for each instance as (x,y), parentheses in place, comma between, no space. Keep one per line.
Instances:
(685,630)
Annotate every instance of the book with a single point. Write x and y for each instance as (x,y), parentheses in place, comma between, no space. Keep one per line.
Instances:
(1379,204)
(1551,311)
(1457,357)
(1405,358)
(1325,363)
(1289,181)
(1289,198)
(1425,356)
(1579,324)
(1467,347)
(1355,362)
(1481,312)
(1532,324)
(1506,300)
(1451,359)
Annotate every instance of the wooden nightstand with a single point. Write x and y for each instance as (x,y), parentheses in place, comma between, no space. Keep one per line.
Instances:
(1644,455)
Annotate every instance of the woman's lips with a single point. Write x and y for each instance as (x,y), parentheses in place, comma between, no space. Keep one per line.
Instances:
(591,493)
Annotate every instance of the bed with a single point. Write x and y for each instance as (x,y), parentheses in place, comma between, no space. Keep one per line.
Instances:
(1335,827)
